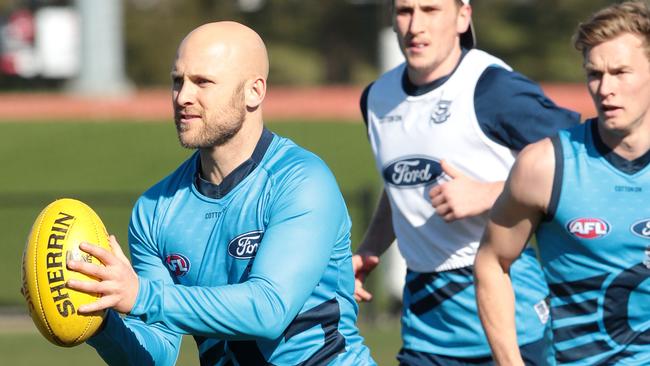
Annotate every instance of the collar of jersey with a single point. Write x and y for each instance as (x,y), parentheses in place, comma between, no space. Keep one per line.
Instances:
(629,167)
(416,90)
(218,191)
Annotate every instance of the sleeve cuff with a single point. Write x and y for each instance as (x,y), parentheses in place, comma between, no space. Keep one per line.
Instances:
(103,335)
(147,305)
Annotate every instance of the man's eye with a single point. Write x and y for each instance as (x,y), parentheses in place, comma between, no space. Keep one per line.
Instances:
(403,11)
(594,74)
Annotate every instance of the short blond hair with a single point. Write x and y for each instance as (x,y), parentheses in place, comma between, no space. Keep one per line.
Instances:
(610,22)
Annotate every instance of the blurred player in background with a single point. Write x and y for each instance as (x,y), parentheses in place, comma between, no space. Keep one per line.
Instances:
(246,246)
(444,128)
(584,193)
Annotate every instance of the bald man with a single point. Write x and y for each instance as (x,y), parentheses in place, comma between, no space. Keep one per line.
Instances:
(246,246)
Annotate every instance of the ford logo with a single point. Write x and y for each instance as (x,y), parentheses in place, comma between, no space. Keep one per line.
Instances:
(413,171)
(641,228)
(245,246)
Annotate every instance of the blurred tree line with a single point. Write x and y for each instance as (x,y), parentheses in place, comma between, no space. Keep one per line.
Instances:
(309,42)
(535,36)
(336,41)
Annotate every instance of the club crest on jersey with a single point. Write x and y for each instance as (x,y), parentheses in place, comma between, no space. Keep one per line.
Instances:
(412,171)
(245,246)
(641,228)
(588,228)
(178,264)
(441,112)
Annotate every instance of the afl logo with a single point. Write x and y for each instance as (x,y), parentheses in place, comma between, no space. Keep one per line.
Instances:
(588,228)
(178,264)
(245,245)
(412,171)
(641,228)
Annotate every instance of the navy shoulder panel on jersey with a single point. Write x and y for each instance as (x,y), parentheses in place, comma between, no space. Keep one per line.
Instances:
(363,103)
(513,111)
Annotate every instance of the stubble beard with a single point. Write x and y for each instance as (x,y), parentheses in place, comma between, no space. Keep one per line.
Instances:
(218,129)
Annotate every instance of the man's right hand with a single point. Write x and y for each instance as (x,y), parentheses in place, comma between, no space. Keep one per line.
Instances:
(363,264)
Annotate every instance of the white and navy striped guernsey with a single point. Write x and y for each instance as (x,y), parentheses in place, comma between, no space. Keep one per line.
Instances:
(409,136)
(477,119)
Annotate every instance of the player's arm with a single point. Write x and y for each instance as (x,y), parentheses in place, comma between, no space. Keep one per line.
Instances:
(513,219)
(307,215)
(128,340)
(379,234)
(375,242)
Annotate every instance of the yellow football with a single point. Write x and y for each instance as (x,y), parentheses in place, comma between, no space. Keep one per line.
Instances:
(54,239)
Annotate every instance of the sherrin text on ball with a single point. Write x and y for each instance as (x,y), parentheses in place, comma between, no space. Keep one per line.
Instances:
(53,240)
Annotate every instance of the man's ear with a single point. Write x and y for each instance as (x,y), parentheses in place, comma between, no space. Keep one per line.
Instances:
(255,92)
(464,18)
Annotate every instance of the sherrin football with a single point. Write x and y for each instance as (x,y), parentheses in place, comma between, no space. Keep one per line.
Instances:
(54,239)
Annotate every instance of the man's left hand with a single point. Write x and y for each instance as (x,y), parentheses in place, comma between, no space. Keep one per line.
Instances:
(462,196)
(117,282)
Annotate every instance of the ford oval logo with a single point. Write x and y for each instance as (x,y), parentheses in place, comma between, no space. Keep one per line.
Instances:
(412,171)
(588,228)
(245,246)
(641,228)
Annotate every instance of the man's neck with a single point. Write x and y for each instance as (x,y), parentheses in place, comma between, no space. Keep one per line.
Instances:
(219,161)
(629,145)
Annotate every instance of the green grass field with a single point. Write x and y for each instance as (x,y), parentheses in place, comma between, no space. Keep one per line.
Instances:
(108,165)
(29,348)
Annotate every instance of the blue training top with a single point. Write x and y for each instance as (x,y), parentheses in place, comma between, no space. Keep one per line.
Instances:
(595,251)
(260,275)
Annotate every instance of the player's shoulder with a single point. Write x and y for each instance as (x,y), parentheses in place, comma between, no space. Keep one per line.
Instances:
(537,152)
(286,158)
(534,168)
(483,58)
(496,72)
(504,81)
(294,171)
(530,182)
